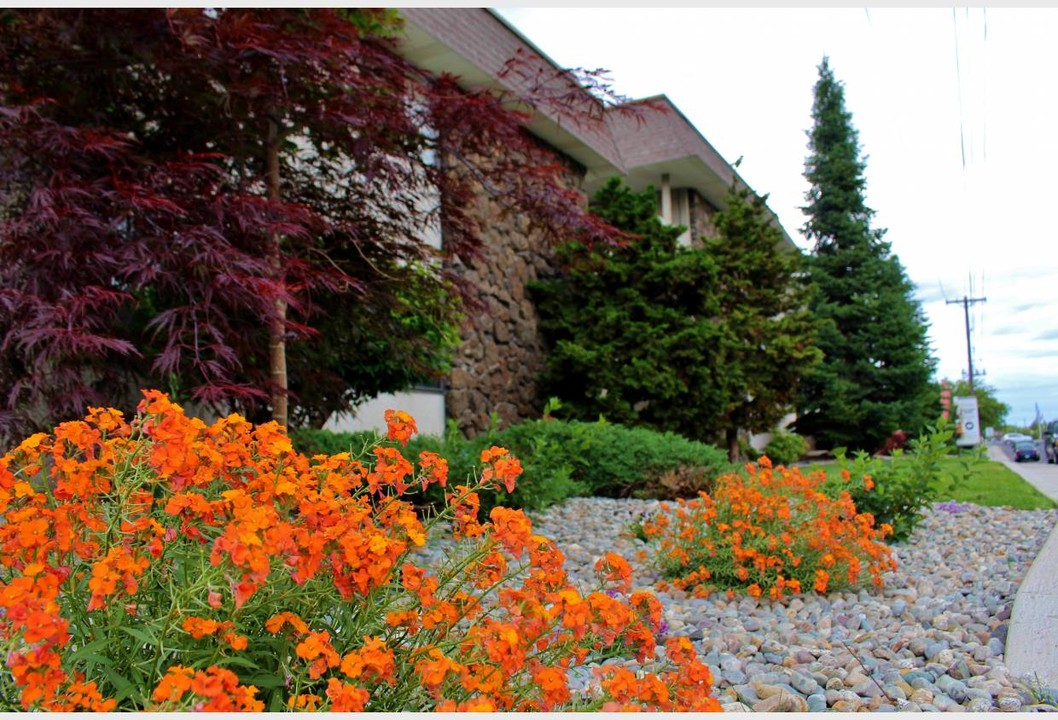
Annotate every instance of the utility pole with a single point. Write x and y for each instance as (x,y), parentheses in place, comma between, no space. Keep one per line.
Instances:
(966,302)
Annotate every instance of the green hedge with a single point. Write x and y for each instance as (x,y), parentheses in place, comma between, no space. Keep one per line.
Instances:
(560,459)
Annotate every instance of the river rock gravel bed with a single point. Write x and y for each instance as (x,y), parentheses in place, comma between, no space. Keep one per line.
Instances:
(931,639)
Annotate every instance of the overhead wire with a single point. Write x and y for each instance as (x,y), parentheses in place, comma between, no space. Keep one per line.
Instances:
(958,77)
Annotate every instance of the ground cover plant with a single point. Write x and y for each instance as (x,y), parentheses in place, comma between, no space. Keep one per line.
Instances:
(163,564)
(768,531)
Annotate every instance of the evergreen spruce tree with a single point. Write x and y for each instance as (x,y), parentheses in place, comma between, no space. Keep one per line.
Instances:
(769,343)
(632,328)
(875,375)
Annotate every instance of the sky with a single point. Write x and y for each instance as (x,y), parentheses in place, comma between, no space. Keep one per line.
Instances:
(957,114)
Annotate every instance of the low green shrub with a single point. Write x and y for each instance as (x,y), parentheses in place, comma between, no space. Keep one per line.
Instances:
(681,482)
(561,459)
(785,448)
(610,460)
(311,441)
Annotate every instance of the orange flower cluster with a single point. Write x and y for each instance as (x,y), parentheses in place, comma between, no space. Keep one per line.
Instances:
(218,690)
(770,531)
(683,689)
(251,576)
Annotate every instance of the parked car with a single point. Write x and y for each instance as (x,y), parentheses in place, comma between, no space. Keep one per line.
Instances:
(1014,438)
(1050,441)
(1026,451)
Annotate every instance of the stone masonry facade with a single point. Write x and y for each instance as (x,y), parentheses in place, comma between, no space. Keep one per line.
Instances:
(502,352)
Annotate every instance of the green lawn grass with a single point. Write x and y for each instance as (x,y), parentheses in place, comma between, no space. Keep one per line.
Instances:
(990,484)
(993,484)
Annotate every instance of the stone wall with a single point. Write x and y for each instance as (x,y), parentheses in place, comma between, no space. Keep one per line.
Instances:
(495,369)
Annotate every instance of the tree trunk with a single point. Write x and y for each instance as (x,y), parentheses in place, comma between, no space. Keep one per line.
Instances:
(277,346)
(731,435)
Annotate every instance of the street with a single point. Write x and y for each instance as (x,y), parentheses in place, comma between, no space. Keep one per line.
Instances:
(1042,476)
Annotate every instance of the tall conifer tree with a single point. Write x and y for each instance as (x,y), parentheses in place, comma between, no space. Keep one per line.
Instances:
(875,375)
(769,344)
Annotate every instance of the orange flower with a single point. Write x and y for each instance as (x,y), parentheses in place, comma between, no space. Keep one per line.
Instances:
(400,426)
(308,703)
(465,506)
(404,618)
(475,704)
(219,686)
(240,498)
(316,648)
(434,469)
(200,627)
(173,685)
(82,696)
(553,686)
(434,670)
(275,623)
(119,565)
(615,569)
(502,468)
(512,529)
(345,697)
(236,641)
(391,468)
(488,571)
(374,662)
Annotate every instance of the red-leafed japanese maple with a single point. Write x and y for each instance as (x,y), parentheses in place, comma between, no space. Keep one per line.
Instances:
(214,201)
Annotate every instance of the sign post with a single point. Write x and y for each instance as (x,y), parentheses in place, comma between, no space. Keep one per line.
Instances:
(967,423)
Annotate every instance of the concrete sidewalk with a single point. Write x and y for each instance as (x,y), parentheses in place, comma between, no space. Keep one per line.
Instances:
(1032,638)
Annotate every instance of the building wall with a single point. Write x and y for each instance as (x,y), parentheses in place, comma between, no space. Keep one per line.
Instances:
(502,352)
(427,406)
(701,213)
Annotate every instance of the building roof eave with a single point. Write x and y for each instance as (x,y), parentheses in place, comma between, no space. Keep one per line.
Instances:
(437,40)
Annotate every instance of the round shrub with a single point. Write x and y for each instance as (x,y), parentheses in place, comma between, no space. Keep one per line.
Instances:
(166,565)
(785,448)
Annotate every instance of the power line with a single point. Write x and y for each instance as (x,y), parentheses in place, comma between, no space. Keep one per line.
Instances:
(958,78)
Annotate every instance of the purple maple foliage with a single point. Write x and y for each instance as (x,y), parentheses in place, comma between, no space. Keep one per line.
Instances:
(189,197)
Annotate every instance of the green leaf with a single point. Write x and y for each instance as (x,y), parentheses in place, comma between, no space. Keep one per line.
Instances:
(240,661)
(266,681)
(88,652)
(124,686)
(141,635)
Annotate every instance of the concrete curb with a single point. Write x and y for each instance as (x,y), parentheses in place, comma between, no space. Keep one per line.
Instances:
(1032,637)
